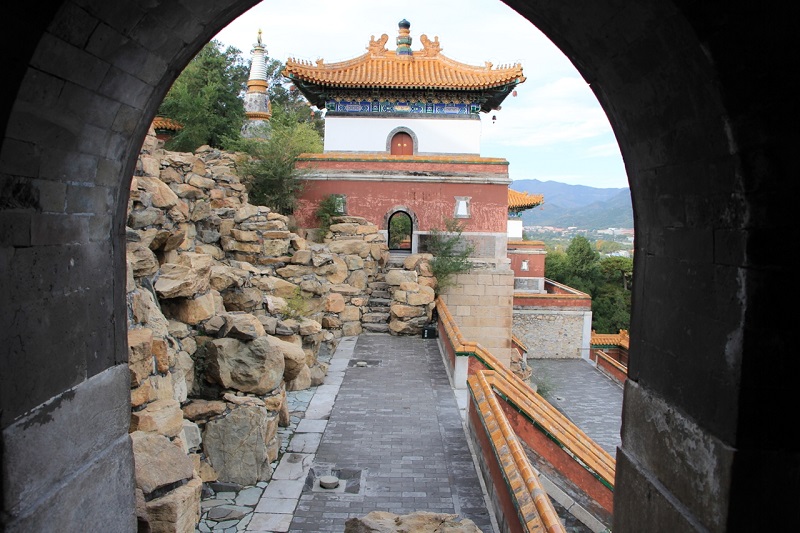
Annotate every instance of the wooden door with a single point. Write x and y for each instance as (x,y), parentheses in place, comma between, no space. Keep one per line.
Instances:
(402,144)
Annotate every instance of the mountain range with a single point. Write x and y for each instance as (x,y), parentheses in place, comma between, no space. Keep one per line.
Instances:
(579,206)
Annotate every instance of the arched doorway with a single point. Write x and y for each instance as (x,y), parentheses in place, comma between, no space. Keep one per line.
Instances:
(402,144)
(708,153)
(400,232)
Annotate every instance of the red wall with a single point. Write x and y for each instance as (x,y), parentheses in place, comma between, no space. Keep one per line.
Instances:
(535,265)
(430,202)
(560,460)
(554,301)
(532,251)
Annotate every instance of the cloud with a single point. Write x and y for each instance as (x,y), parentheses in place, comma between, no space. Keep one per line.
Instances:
(561,111)
(553,129)
(604,150)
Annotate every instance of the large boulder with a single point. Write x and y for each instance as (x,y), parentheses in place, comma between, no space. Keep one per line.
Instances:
(237,444)
(158,462)
(256,367)
(243,326)
(177,511)
(293,356)
(190,275)
(161,416)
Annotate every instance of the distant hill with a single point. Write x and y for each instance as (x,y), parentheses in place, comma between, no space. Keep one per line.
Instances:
(584,207)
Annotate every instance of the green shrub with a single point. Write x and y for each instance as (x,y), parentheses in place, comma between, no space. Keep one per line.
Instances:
(325,212)
(296,305)
(451,252)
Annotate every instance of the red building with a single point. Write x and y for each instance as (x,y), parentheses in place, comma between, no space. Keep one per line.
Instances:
(402,138)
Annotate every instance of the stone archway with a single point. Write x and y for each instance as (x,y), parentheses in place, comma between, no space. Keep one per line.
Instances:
(703,107)
(400,229)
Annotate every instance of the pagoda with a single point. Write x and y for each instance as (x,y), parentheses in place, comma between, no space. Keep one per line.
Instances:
(402,137)
(257,106)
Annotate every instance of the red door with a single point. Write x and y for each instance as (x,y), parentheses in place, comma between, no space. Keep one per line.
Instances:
(402,144)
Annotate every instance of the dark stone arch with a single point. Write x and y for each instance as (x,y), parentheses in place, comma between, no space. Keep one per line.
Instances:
(703,106)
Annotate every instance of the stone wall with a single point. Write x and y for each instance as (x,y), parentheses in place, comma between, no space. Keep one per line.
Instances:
(413,294)
(550,334)
(227,310)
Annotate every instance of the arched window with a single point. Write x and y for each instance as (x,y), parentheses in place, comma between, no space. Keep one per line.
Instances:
(402,144)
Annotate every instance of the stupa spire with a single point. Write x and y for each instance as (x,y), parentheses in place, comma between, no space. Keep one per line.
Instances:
(257,106)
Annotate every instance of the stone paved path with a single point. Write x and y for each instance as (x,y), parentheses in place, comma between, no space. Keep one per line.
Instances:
(394,438)
(395,433)
(392,432)
(583,394)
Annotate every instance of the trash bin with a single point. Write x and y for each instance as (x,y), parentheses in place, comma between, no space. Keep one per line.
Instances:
(429,331)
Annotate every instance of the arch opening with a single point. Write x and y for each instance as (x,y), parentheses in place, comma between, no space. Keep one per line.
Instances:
(46,150)
(400,232)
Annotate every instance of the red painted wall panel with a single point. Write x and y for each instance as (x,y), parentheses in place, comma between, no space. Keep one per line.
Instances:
(430,202)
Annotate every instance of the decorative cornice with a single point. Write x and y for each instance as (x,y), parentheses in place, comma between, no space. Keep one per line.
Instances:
(356,156)
(425,69)
(621,339)
(257,115)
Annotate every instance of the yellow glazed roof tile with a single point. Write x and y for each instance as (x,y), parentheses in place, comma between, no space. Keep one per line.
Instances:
(164,123)
(621,339)
(523,200)
(388,69)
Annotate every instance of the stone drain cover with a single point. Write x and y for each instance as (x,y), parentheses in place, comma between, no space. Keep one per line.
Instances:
(358,363)
(350,479)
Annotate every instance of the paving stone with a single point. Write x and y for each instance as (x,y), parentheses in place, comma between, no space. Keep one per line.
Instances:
(399,425)
(249,496)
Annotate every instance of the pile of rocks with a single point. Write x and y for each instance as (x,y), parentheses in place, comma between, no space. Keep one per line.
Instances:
(227,310)
(413,295)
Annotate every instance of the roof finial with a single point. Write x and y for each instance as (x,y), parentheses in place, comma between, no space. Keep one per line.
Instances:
(259,36)
(403,38)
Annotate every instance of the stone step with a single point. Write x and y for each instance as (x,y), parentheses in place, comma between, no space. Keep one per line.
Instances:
(376,327)
(378,285)
(379,301)
(383,295)
(374,318)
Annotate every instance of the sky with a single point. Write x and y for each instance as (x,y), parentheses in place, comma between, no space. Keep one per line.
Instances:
(553,130)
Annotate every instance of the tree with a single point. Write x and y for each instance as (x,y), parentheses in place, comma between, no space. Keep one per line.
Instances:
(581,257)
(611,310)
(606,280)
(270,172)
(450,252)
(287,102)
(326,210)
(617,270)
(206,99)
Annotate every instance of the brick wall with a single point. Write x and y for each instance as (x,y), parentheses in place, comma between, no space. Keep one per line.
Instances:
(481,305)
(550,334)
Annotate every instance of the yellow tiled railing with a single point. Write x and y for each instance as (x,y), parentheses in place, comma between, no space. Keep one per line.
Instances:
(493,382)
(533,406)
(533,506)
(612,362)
